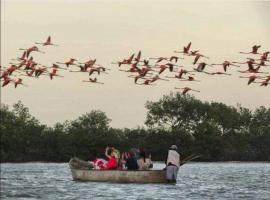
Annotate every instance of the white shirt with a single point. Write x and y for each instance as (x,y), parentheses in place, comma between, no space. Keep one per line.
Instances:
(173,158)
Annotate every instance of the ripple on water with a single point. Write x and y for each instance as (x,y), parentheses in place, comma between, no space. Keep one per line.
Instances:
(195,181)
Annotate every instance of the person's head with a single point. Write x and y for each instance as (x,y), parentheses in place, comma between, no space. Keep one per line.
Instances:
(173,147)
(142,154)
(110,152)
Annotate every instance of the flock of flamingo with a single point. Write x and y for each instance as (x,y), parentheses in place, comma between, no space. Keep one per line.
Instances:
(140,69)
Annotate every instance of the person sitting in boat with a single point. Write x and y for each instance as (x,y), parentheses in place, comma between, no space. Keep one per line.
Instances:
(98,163)
(172,164)
(131,162)
(124,157)
(112,160)
(144,162)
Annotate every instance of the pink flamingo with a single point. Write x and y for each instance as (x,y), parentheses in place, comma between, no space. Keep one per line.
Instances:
(48,42)
(32,49)
(185,49)
(226,64)
(93,81)
(254,50)
(186,89)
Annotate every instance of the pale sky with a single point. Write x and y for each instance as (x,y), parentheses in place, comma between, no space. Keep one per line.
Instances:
(112,30)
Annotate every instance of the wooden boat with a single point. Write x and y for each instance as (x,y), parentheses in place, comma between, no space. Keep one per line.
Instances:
(82,171)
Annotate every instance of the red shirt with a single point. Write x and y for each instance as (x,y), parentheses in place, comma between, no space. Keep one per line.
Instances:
(112,163)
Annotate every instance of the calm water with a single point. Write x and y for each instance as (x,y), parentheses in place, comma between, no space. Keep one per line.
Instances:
(195,181)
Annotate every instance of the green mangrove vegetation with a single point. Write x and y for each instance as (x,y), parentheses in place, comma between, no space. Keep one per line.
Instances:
(216,131)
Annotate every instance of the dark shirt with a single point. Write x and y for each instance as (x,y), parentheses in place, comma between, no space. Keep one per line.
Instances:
(132,164)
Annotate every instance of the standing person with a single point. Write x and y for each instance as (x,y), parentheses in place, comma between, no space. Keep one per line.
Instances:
(172,164)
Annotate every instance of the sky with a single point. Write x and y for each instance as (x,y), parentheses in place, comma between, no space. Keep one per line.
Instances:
(111,31)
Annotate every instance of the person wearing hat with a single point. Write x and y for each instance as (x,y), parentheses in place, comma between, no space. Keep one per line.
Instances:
(172,164)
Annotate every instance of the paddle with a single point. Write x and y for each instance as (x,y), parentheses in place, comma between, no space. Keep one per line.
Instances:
(189,158)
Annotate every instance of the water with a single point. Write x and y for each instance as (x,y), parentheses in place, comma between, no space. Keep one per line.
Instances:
(195,181)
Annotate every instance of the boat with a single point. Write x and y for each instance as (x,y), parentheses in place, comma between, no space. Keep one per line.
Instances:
(83,171)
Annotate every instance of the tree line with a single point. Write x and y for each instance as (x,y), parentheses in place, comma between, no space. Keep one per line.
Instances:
(216,131)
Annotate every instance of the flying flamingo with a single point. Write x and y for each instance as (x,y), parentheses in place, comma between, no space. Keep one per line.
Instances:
(254,50)
(93,81)
(125,61)
(186,89)
(11,69)
(159,59)
(226,64)
(56,66)
(40,71)
(201,67)
(53,73)
(250,78)
(155,78)
(70,62)
(251,69)
(181,73)
(190,78)
(219,73)
(185,49)
(6,80)
(18,82)
(48,42)
(175,58)
(146,82)
(31,49)
(197,58)
(137,59)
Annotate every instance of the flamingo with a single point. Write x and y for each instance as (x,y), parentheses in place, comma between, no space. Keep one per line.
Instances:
(185,49)
(226,64)
(197,58)
(53,73)
(251,69)
(11,69)
(219,73)
(48,42)
(40,71)
(159,59)
(254,50)
(250,78)
(6,80)
(146,82)
(155,78)
(263,83)
(181,73)
(89,62)
(31,49)
(190,78)
(175,58)
(162,68)
(137,59)
(186,89)
(201,67)
(57,66)
(125,61)
(18,82)
(70,62)
(93,81)
(4,74)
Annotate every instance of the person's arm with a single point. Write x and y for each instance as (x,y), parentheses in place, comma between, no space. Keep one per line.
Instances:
(166,159)
(106,153)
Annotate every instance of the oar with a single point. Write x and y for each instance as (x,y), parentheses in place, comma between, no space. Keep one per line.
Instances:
(189,158)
